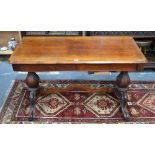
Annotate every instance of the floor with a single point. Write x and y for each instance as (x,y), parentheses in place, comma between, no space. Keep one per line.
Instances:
(7,76)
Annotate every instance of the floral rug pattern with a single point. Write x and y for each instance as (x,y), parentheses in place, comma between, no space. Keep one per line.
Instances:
(78,106)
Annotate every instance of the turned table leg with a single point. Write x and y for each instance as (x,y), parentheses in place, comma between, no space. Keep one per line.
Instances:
(123,80)
(32,81)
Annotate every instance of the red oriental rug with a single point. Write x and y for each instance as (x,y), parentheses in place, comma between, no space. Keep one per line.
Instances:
(79,106)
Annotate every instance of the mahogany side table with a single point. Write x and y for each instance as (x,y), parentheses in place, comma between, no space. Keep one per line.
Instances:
(39,54)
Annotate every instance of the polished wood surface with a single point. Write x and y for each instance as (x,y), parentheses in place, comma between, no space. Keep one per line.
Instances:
(77,50)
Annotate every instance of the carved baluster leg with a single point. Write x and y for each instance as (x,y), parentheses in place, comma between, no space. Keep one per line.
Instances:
(32,81)
(123,80)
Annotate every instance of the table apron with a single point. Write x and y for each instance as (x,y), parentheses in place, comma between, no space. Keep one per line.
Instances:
(76,67)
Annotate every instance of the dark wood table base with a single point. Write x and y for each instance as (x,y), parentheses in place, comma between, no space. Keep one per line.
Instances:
(32,81)
(122,82)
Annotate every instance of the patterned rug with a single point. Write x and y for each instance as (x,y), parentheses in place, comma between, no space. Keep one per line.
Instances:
(78,106)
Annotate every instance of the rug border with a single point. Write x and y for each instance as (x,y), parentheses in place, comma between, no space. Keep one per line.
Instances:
(6,101)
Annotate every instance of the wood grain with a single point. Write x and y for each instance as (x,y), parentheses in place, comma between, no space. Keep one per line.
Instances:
(76,67)
(77,50)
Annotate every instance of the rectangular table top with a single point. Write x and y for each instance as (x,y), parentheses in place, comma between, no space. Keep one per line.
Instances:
(77,50)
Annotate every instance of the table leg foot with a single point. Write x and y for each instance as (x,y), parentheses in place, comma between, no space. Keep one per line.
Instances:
(32,102)
(123,80)
(32,81)
(122,96)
